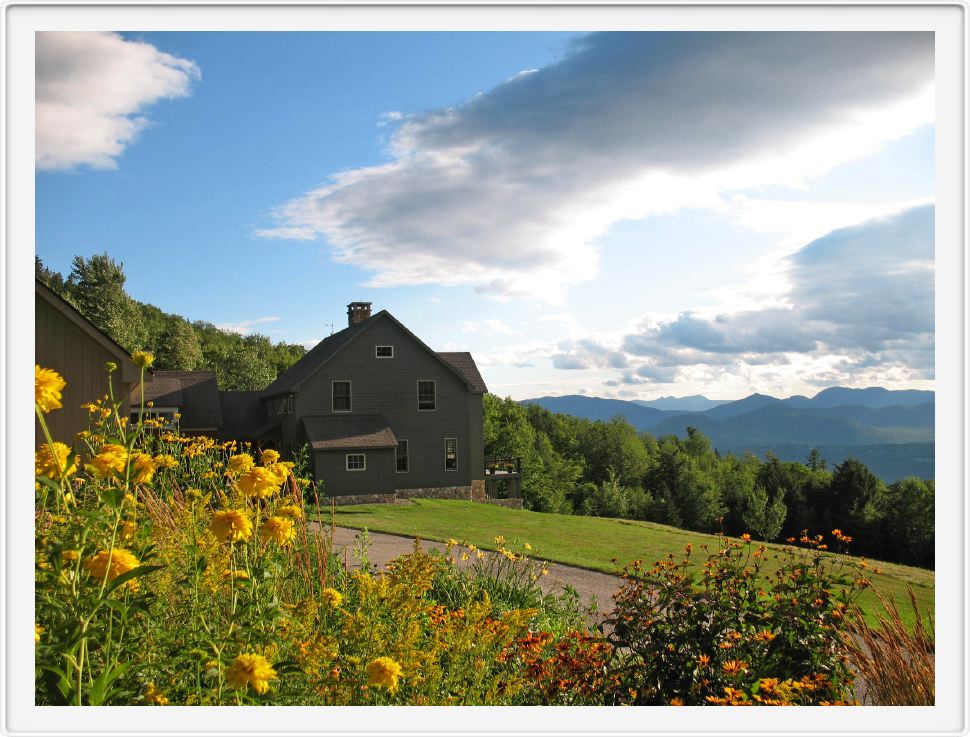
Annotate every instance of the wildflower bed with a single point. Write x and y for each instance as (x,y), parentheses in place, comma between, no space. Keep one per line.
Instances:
(180,570)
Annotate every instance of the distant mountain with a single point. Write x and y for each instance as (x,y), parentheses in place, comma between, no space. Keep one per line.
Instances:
(742,406)
(861,423)
(777,423)
(693,403)
(873,396)
(594,408)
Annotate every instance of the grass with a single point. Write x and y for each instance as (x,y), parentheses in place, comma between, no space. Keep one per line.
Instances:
(590,542)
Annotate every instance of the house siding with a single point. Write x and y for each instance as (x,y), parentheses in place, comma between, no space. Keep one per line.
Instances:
(63,346)
(389,387)
(330,467)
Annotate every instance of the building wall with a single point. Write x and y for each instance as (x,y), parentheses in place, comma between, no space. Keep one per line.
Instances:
(330,468)
(60,344)
(389,387)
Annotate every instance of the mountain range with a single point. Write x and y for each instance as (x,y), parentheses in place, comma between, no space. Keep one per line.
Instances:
(891,431)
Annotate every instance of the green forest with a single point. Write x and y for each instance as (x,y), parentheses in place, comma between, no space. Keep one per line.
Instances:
(571,465)
(96,287)
(609,469)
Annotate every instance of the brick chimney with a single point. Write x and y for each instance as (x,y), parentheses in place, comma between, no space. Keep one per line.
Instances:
(356,312)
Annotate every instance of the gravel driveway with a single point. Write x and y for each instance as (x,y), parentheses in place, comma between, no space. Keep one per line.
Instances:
(592,586)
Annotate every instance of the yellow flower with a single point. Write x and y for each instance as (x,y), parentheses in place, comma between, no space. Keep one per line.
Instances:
(250,669)
(47,388)
(384,672)
(676,701)
(128,530)
(269,457)
(733,667)
(53,465)
(527,546)
(331,597)
(154,696)
(231,525)
(451,542)
(289,510)
(110,461)
(500,540)
(746,537)
(142,468)
(143,359)
(280,472)
(116,563)
(258,482)
(38,631)
(166,461)
(69,556)
(278,529)
(240,463)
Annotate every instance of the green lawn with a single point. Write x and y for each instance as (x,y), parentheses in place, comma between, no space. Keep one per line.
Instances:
(588,542)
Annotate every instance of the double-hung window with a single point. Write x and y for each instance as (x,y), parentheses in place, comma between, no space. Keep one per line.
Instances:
(426,396)
(402,456)
(341,396)
(356,462)
(451,454)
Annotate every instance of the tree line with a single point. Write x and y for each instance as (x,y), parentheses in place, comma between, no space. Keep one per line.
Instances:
(572,465)
(96,287)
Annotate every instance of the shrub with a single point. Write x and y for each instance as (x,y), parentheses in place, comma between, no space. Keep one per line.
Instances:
(718,633)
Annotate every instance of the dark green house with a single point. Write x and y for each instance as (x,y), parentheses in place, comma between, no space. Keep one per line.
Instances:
(382,412)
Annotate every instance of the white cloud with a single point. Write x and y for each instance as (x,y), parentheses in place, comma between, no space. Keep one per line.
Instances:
(490,326)
(247,327)
(510,191)
(91,91)
(859,311)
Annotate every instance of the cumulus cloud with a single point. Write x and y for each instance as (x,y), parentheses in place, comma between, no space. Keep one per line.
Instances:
(860,309)
(91,92)
(247,327)
(490,326)
(510,190)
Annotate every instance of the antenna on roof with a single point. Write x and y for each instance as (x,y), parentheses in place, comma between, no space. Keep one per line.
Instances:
(330,324)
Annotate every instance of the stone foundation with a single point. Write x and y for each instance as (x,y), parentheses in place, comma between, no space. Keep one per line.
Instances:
(507,503)
(437,492)
(478,490)
(358,499)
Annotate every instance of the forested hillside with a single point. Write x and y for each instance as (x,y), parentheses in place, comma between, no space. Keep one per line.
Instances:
(610,469)
(96,287)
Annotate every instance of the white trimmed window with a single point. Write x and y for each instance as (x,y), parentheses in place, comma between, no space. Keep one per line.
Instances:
(356,462)
(341,396)
(451,454)
(384,351)
(168,415)
(426,396)
(401,456)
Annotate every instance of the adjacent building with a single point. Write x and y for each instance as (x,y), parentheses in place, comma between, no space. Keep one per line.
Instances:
(68,343)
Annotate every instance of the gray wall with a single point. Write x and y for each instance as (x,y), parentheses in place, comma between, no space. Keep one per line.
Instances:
(389,387)
(330,466)
(61,345)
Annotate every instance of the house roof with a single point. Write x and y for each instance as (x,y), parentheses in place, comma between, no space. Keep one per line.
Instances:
(291,379)
(350,432)
(240,414)
(195,393)
(465,365)
(129,372)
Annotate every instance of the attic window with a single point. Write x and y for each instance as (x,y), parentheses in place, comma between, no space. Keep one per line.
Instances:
(384,351)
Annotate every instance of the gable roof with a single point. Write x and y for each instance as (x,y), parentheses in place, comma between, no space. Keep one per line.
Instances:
(464,363)
(195,393)
(349,432)
(291,379)
(129,372)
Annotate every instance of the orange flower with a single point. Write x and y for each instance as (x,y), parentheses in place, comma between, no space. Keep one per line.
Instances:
(734,667)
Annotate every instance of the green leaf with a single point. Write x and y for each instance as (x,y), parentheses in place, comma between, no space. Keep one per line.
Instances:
(126,577)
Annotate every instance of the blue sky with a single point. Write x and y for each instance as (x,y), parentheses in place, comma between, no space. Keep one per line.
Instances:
(628,215)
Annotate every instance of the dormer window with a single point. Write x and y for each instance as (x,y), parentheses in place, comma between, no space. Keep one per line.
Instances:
(384,351)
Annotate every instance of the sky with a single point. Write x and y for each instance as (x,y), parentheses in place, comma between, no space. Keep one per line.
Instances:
(627,215)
